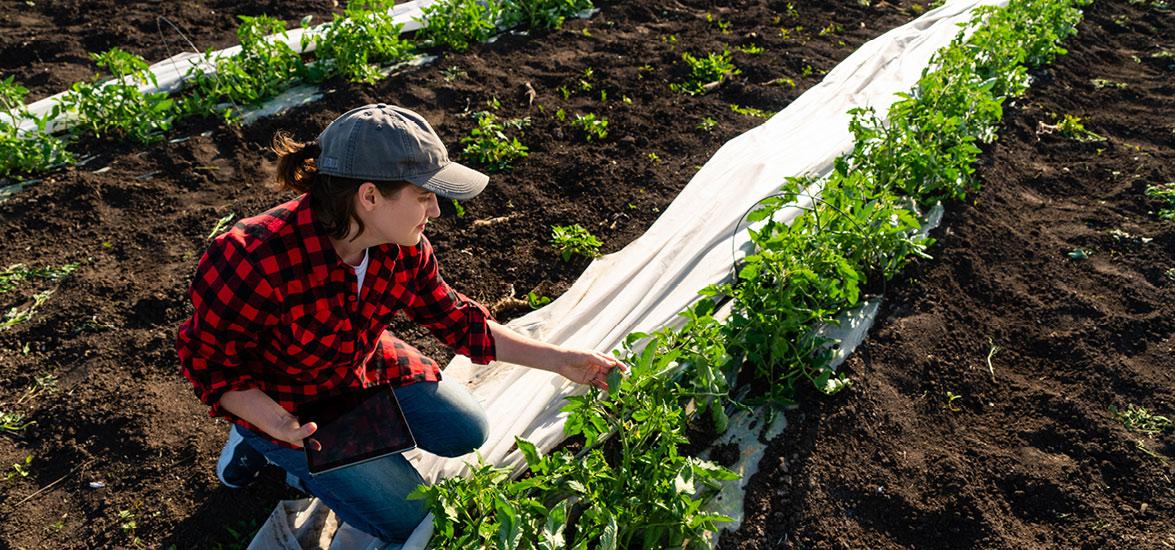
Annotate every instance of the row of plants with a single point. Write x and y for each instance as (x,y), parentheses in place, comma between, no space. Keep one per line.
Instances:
(355,45)
(629,483)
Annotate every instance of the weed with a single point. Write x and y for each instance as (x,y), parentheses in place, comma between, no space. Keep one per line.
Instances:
(707,124)
(1138,419)
(1170,274)
(459,24)
(458,209)
(807,70)
(572,240)
(13,422)
(1071,127)
(1078,254)
(17,273)
(705,72)
(784,81)
(751,49)
(626,100)
(1101,83)
(1164,192)
(593,127)
(488,144)
(992,350)
(452,73)
(221,225)
(560,115)
(790,10)
(832,28)
(653,157)
(363,36)
(536,300)
(723,26)
(750,111)
(20,468)
(16,315)
(950,404)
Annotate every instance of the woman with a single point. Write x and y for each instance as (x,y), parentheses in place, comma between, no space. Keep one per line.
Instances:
(292,305)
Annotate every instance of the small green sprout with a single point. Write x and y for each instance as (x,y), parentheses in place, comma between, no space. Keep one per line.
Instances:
(751,49)
(574,240)
(749,111)
(13,422)
(707,124)
(592,126)
(488,144)
(221,225)
(1071,127)
(20,468)
(1138,419)
(950,404)
(705,72)
(1101,83)
(1078,254)
(537,300)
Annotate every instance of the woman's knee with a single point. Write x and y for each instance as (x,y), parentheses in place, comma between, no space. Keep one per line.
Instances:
(465,437)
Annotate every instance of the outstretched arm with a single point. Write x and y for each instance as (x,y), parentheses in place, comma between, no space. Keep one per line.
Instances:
(579,366)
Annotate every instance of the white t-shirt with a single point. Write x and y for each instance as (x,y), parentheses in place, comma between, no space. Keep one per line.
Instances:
(360,271)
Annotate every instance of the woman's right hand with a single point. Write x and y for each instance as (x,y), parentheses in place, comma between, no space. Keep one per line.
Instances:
(293,432)
(258,409)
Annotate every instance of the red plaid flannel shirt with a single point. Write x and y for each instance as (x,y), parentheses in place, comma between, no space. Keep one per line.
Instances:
(276,310)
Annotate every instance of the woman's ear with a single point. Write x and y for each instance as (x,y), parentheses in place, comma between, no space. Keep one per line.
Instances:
(368,196)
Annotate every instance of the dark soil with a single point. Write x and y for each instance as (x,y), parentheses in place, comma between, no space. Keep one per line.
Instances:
(136,220)
(44,43)
(1029,457)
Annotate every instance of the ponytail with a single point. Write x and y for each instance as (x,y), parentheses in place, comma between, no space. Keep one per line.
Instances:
(331,197)
(295,163)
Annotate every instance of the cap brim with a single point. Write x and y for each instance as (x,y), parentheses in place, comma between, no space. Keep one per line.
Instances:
(455,181)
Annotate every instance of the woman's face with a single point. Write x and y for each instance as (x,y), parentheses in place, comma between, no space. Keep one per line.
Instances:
(401,218)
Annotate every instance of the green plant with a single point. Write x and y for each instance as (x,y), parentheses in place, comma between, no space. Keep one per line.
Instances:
(1140,420)
(542,14)
(459,24)
(488,144)
(262,69)
(19,468)
(221,225)
(17,315)
(705,72)
(784,81)
(991,351)
(1164,192)
(707,124)
(116,106)
(592,126)
(13,422)
(751,49)
(453,72)
(363,36)
(950,404)
(16,273)
(458,209)
(572,240)
(1071,127)
(750,111)
(536,300)
(25,152)
(1100,83)
(1078,254)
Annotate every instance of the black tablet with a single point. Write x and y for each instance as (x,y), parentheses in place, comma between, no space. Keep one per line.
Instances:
(354,427)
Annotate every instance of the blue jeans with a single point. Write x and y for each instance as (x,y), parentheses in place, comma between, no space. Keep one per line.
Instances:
(446,420)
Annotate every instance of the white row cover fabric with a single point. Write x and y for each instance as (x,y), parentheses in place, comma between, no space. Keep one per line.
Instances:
(171,72)
(645,285)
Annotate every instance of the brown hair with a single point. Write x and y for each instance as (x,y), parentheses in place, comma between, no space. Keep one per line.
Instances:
(331,197)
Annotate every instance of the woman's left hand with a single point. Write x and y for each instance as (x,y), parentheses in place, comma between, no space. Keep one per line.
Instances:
(589,367)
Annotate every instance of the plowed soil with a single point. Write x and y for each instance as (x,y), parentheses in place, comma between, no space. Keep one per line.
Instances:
(1029,455)
(122,454)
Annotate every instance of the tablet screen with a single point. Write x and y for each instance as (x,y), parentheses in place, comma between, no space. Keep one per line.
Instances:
(354,427)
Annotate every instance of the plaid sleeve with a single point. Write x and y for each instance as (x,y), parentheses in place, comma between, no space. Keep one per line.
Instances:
(459,322)
(233,305)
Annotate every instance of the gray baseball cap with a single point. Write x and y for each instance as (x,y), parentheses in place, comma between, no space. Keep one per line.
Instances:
(389,143)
